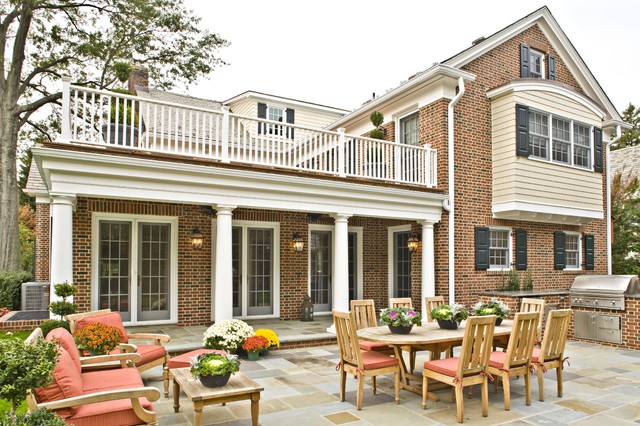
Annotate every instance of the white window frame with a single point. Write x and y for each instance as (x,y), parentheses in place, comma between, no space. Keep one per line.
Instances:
(390,258)
(275,128)
(96,217)
(399,122)
(550,140)
(536,54)
(509,248)
(579,251)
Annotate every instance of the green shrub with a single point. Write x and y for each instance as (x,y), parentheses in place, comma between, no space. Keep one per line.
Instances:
(50,324)
(377,134)
(38,417)
(10,288)
(63,307)
(376,118)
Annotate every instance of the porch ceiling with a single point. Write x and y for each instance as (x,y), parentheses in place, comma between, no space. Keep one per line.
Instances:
(103,175)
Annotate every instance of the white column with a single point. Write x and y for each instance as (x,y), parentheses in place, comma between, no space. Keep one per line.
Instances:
(341,263)
(223,295)
(428,264)
(61,254)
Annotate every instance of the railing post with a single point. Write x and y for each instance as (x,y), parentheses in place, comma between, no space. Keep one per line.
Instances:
(225,134)
(341,155)
(66,109)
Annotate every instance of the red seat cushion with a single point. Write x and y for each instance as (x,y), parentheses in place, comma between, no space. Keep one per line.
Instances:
(112,318)
(446,366)
(373,346)
(99,381)
(373,360)
(66,340)
(147,352)
(67,383)
(497,359)
(108,413)
(184,360)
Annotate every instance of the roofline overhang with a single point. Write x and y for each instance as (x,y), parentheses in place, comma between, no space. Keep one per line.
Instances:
(438,70)
(274,98)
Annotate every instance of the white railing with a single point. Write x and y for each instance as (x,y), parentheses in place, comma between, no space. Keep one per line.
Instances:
(112,119)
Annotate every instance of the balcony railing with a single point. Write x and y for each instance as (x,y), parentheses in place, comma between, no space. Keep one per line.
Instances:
(106,118)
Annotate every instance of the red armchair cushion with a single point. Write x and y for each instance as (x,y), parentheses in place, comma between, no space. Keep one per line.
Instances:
(99,381)
(373,346)
(373,360)
(446,366)
(147,352)
(67,383)
(184,360)
(112,318)
(66,340)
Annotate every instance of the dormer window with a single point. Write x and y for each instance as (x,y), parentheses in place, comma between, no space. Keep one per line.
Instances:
(533,63)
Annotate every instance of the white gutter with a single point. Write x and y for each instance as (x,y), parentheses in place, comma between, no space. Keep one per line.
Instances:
(450,205)
(608,184)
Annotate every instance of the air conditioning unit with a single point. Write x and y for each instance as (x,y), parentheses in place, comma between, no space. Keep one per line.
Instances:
(35,296)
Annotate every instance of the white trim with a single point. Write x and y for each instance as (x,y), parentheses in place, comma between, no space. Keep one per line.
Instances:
(359,231)
(244,224)
(542,85)
(391,230)
(536,212)
(577,234)
(134,219)
(509,246)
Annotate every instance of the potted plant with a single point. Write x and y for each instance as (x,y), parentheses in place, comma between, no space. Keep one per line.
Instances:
(214,369)
(61,308)
(98,338)
(271,337)
(450,316)
(227,335)
(254,345)
(124,121)
(400,320)
(492,307)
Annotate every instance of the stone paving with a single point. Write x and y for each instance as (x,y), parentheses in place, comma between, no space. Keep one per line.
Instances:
(601,387)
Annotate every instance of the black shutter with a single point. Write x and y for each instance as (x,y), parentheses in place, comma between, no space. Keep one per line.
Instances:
(589,252)
(558,250)
(521,249)
(522,130)
(291,119)
(262,113)
(482,248)
(597,149)
(551,63)
(524,61)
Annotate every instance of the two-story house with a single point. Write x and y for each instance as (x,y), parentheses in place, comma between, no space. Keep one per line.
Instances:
(182,211)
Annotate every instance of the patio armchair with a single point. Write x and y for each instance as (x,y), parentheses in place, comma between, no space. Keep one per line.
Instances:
(550,355)
(361,364)
(153,355)
(107,397)
(517,358)
(469,368)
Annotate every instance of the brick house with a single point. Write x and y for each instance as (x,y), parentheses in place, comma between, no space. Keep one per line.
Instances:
(186,211)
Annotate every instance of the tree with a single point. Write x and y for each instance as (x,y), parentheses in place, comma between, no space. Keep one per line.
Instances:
(631,137)
(625,209)
(94,42)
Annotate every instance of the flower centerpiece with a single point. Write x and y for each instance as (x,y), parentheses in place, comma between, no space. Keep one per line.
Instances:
(253,345)
(214,369)
(450,316)
(400,320)
(492,307)
(271,337)
(98,338)
(227,335)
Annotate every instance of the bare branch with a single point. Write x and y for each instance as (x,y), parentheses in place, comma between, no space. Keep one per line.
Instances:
(39,129)
(42,69)
(29,108)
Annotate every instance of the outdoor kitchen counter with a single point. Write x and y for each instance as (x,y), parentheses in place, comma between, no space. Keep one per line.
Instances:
(524,293)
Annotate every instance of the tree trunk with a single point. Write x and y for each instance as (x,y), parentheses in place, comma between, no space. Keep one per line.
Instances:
(9,191)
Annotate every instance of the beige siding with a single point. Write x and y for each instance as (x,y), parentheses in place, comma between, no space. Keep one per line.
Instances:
(527,180)
(304,116)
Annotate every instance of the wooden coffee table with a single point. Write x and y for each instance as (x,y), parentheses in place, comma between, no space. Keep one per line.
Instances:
(238,388)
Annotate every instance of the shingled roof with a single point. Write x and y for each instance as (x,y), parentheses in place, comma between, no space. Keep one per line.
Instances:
(626,161)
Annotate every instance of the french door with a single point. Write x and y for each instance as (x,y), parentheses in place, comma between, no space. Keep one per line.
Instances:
(401,265)
(135,271)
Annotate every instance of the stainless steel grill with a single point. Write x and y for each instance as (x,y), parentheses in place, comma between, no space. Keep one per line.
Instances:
(603,291)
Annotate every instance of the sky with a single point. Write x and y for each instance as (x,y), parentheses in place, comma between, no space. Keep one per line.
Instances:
(338,53)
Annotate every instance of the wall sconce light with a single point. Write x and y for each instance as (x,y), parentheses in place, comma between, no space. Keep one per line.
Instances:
(197,239)
(297,243)
(413,242)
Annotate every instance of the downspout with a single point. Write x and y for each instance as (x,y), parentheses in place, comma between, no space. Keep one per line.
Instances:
(449,204)
(608,185)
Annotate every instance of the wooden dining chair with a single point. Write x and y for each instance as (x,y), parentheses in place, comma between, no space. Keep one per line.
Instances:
(534,305)
(551,352)
(431,303)
(361,364)
(400,302)
(469,368)
(517,358)
(364,313)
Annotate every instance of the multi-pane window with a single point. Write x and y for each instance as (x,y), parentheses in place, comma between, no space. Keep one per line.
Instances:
(572,251)
(569,142)
(536,61)
(275,114)
(409,130)
(499,248)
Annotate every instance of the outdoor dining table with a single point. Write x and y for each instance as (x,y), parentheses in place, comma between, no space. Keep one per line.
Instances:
(427,334)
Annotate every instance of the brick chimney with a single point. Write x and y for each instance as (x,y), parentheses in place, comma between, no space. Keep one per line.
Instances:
(139,79)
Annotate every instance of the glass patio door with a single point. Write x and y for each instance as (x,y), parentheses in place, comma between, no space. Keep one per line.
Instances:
(409,160)
(320,270)
(114,267)
(153,271)
(401,265)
